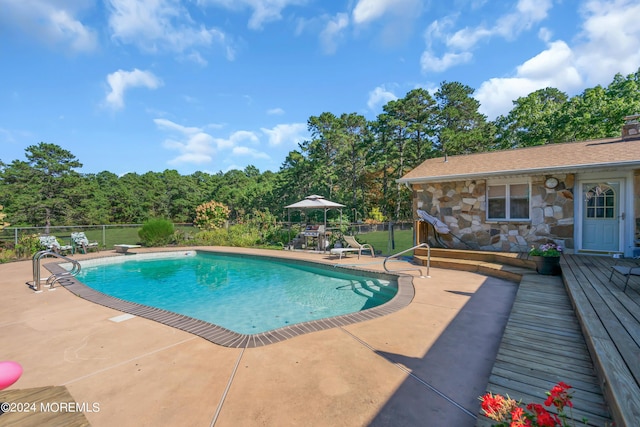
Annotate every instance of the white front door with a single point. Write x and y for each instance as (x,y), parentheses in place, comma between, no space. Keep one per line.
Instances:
(600,216)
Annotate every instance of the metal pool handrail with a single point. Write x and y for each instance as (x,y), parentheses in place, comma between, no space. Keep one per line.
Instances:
(421,245)
(51,280)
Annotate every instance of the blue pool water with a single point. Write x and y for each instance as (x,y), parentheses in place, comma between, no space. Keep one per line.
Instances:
(247,295)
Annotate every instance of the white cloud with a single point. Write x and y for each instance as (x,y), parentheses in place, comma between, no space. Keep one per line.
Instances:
(396,17)
(430,62)
(194,145)
(460,43)
(49,23)
(121,80)
(608,44)
(467,38)
(264,11)
(197,146)
(157,25)
(289,134)
(333,32)
(275,111)
(165,124)
(251,152)
(610,35)
(379,96)
(549,63)
(240,136)
(366,11)
(553,67)
(369,10)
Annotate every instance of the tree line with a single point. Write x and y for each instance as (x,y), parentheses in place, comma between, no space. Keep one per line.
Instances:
(348,159)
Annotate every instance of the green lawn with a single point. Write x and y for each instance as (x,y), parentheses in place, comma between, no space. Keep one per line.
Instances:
(121,235)
(403,239)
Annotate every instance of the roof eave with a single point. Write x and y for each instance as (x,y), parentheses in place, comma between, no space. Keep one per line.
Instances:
(536,171)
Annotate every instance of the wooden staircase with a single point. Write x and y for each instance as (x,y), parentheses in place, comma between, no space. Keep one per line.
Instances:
(504,265)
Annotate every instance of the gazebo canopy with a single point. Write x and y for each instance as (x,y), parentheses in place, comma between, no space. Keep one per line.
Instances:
(315,202)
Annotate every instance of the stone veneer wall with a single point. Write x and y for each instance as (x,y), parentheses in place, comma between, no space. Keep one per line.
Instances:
(461,205)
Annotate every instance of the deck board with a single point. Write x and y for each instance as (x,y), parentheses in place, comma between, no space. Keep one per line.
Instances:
(542,345)
(609,318)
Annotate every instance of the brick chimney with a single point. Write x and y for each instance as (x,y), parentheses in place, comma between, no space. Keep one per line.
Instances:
(631,127)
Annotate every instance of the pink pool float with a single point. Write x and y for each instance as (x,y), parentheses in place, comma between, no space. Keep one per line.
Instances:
(10,372)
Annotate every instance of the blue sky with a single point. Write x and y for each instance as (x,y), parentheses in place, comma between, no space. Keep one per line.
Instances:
(213,85)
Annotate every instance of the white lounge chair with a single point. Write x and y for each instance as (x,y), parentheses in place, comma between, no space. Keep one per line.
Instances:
(353,246)
(51,243)
(80,242)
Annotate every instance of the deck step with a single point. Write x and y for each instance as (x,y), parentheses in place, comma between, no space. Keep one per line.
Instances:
(516,259)
(494,269)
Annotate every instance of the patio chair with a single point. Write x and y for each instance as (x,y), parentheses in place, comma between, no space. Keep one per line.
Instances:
(353,246)
(80,242)
(626,270)
(51,243)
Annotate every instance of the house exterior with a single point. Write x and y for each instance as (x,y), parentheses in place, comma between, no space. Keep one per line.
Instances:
(584,196)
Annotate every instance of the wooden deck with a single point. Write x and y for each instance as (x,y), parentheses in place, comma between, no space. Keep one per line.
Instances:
(610,320)
(51,406)
(542,345)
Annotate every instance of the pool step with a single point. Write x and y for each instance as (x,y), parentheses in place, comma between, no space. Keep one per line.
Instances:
(370,289)
(508,266)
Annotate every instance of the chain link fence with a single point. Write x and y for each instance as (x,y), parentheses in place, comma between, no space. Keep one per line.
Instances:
(105,235)
(387,238)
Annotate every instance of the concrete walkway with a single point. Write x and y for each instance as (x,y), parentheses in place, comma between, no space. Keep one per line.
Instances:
(424,365)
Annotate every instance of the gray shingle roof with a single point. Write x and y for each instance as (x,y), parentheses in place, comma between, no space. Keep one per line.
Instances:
(559,158)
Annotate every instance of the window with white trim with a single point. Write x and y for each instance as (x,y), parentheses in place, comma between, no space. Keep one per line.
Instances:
(508,201)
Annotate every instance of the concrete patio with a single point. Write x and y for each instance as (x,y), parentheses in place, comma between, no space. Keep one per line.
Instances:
(426,364)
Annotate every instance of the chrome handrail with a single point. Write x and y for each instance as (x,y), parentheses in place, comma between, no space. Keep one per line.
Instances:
(51,280)
(421,245)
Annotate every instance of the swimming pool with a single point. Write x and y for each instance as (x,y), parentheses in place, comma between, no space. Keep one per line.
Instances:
(244,294)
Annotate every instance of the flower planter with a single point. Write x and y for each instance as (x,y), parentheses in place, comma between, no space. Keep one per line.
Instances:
(549,265)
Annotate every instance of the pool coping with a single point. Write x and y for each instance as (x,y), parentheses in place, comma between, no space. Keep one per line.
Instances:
(227,338)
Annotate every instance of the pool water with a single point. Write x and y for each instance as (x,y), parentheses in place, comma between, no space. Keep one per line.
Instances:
(246,295)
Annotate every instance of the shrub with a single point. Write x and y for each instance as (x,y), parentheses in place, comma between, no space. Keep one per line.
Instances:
(156,232)
(244,235)
(2,217)
(217,237)
(265,223)
(240,235)
(211,215)
(375,217)
(28,244)
(7,255)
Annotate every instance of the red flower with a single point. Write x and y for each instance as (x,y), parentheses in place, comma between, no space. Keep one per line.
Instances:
(543,417)
(492,404)
(510,413)
(559,396)
(519,419)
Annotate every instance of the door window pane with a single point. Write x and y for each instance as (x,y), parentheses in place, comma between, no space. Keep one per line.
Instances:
(600,202)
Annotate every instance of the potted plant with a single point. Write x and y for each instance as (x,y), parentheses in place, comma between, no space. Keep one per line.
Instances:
(547,258)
